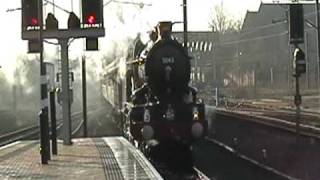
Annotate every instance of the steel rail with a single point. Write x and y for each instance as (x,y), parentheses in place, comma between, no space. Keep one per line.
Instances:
(250,160)
(29,131)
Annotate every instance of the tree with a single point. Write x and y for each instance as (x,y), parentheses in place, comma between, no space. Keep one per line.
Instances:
(221,22)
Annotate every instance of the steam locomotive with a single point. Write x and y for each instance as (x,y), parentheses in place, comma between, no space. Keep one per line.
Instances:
(156,108)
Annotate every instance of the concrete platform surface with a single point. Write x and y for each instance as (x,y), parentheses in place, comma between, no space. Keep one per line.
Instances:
(110,158)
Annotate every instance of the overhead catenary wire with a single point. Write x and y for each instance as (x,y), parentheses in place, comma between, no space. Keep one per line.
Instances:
(55,5)
(128,2)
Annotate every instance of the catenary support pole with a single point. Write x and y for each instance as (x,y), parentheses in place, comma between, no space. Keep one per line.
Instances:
(297,103)
(65,92)
(84,96)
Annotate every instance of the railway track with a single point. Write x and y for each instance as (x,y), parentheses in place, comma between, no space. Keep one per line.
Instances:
(277,113)
(223,162)
(282,120)
(268,169)
(18,135)
(269,142)
(173,175)
(33,131)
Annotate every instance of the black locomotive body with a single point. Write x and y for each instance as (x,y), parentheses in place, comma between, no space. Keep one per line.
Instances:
(160,108)
(166,107)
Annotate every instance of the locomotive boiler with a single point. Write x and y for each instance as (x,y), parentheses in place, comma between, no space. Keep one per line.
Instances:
(158,110)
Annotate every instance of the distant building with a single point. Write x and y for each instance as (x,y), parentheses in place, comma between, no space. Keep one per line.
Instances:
(265,51)
(200,47)
(258,56)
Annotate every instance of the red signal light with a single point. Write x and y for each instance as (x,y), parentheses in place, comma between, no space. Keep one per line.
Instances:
(34,21)
(92,13)
(91,19)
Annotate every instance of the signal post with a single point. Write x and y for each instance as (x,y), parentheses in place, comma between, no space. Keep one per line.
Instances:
(296,36)
(33,30)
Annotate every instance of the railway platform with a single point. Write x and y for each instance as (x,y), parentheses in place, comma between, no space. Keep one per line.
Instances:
(111,158)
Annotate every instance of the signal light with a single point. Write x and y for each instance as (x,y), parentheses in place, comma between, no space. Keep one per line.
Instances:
(34,21)
(30,17)
(299,62)
(296,23)
(92,13)
(91,19)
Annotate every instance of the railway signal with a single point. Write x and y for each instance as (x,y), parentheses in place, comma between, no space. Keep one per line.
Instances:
(92,17)
(92,13)
(30,16)
(296,36)
(299,66)
(32,30)
(31,22)
(296,24)
(299,62)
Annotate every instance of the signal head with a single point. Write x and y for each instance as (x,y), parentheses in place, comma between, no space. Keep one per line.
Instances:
(92,13)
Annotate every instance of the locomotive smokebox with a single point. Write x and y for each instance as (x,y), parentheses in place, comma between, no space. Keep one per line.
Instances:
(167,66)
(165,29)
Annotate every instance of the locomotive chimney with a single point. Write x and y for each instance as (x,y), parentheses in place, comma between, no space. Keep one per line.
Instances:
(165,29)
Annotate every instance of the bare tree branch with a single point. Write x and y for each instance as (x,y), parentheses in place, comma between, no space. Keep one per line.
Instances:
(221,22)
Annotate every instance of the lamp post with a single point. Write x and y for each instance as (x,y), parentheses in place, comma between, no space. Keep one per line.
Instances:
(44,124)
(185,24)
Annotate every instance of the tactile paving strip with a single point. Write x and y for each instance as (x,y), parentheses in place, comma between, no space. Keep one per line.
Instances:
(111,166)
(133,164)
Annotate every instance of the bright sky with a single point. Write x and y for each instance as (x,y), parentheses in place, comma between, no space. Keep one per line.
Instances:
(136,20)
